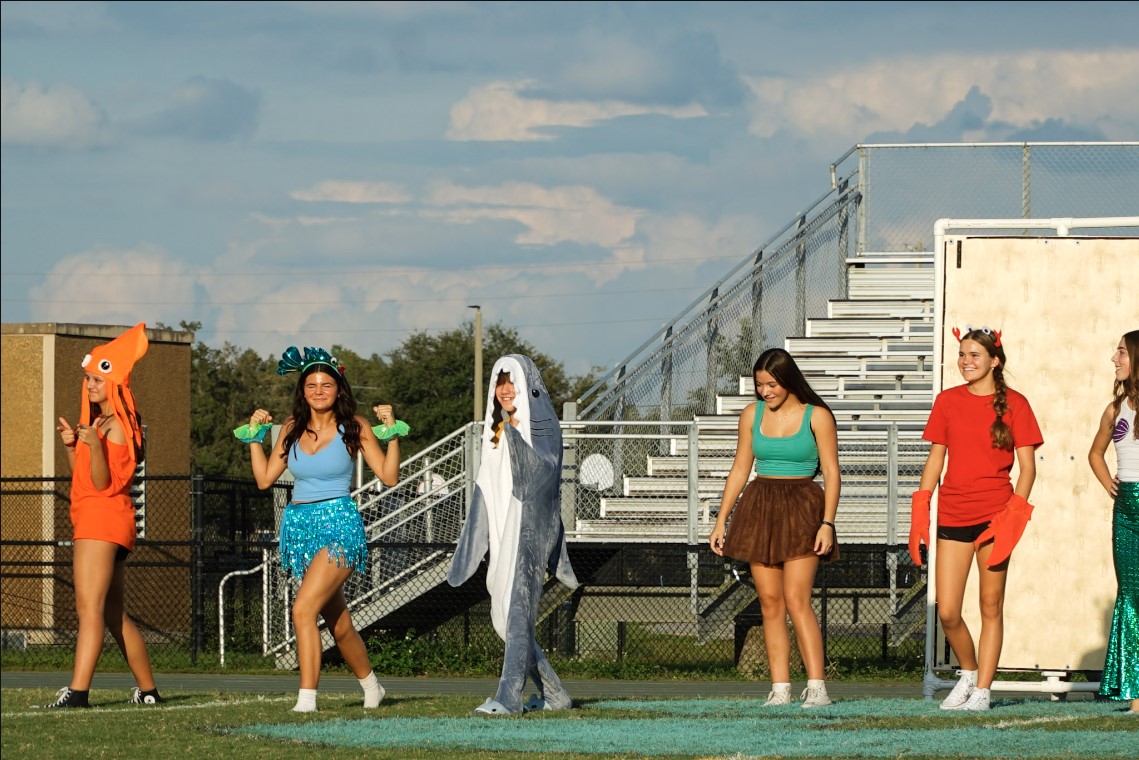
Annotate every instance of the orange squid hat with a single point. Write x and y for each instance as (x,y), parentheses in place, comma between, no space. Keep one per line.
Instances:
(113,362)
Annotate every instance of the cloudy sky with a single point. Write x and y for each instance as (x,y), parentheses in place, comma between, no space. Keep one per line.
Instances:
(349,172)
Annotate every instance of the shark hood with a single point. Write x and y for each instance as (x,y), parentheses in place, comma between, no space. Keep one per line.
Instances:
(518,483)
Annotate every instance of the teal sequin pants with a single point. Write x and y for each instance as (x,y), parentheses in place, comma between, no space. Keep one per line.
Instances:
(334,525)
(1121,666)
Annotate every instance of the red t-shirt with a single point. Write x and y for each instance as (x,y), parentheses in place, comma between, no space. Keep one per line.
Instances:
(977,482)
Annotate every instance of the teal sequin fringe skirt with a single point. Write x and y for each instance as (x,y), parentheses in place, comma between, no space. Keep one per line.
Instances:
(1121,666)
(334,525)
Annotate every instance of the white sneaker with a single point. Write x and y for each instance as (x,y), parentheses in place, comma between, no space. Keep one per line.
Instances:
(966,682)
(815,696)
(978,700)
(777,697)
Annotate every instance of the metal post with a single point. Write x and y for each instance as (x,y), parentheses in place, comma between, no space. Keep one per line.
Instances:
(570,473)
(843,246)
(863,185)
(759,340)
(801,278)
(265,604)
(478,362)
(693,481)
(666,380)
(197,524)
(1026,181)
(892,513)
(711,335)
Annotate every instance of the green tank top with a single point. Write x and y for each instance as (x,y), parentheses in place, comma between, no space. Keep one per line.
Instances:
(789,456)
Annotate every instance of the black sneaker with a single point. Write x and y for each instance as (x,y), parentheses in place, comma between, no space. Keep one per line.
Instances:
(68,697)
(140,697)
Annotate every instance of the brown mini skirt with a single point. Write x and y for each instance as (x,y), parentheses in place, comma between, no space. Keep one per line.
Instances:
(777,519)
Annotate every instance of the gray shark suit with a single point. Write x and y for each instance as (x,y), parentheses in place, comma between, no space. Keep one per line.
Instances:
(515,517)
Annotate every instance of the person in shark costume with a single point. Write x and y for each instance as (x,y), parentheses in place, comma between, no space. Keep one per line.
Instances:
(515,515)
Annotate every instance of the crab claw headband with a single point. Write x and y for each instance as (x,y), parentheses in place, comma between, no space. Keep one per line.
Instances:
(292,361)
(113,362)
(994,334)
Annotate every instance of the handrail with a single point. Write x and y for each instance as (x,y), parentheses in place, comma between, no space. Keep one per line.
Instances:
(754,260)
(221,607)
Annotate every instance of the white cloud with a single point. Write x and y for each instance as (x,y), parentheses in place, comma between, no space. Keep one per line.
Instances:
(57,116)
(686,238)
(380,9)
(551,215)
(108,286)
(352,192)
(897,93)
(496,111)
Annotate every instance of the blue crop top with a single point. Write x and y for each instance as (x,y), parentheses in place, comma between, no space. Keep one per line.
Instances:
(788,456)
(327,474)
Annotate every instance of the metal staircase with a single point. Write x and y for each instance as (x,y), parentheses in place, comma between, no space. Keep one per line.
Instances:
(870,358)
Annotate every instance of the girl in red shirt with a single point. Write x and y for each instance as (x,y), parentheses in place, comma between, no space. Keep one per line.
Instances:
(982,426)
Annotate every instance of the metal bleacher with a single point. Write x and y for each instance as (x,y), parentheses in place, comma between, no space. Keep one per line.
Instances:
(870,358)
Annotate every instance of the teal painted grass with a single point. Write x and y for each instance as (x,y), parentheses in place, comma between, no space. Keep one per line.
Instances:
(1030,729)
(863,708)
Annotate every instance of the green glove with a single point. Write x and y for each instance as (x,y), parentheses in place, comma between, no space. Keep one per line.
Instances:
(252,433)
(386,433)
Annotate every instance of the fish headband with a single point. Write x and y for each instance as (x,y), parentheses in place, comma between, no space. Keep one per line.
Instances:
(113,362)
(292,361)
(994,334)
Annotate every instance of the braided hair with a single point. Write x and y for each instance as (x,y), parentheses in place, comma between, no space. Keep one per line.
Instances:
(1128,388)
(1000,432)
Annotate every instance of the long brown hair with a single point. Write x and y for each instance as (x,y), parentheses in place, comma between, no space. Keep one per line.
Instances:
(999,431)
(496,415)
(344,409)
(781,365)
(1128,388)
(95,412)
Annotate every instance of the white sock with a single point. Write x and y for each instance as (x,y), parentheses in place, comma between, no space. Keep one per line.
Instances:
(306,701)
(781,686)
(373,692)
(815,683)
(970,676)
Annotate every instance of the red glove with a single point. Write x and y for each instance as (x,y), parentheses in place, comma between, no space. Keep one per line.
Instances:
(919,523)
(1005,530)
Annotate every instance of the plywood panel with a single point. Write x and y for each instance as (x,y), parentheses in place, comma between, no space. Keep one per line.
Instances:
(1061,304)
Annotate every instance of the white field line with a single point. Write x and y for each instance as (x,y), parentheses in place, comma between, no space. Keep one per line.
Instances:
(1014,722)
(43,712)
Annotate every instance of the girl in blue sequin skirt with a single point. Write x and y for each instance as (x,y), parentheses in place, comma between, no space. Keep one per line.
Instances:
(322,535)
(1121,666)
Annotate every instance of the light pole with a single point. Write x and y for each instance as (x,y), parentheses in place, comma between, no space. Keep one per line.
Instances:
(478,361)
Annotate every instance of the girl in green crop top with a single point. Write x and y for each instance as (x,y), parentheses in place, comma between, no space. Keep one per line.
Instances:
(783,525)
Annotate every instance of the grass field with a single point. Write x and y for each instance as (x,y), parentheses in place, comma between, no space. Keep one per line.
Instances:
(243,725)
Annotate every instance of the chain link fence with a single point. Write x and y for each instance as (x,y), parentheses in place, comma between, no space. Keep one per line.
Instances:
(906,188)
(883,198)
(638,503)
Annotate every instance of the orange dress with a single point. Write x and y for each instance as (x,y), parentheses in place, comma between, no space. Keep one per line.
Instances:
(107,514)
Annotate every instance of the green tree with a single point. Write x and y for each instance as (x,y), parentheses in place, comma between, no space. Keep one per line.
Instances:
(430,378)
(226,385)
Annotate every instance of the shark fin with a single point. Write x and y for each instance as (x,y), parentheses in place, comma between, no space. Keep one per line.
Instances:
(560,564)
(474,542)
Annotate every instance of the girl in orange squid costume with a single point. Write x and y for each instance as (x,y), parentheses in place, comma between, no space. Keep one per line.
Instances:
(103,450)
